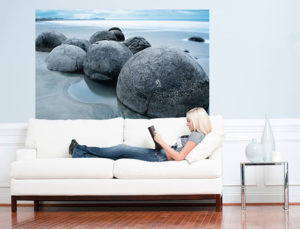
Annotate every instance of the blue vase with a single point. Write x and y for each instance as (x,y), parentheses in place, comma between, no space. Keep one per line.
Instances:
(268,141)
(254,151)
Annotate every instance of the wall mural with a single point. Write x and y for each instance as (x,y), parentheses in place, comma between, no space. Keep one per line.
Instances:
(100,64)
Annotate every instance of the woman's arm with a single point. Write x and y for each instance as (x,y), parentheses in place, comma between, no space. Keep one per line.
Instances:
(168,157)
(179,156)
(171,153)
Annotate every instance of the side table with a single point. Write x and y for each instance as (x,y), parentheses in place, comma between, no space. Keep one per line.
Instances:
(286,180)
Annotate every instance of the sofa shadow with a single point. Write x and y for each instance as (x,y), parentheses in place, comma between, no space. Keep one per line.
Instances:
(126,206)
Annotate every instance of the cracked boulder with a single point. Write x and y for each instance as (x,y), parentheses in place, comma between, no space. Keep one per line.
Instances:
(102,35)
(81,43)
(118,33)
(105,59)
(163,82)
(66,58)
(136,44)
(47,41)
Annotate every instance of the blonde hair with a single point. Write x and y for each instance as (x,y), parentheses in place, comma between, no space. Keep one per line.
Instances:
(199,119)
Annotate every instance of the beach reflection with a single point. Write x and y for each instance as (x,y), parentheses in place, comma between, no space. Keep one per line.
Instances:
(89,91)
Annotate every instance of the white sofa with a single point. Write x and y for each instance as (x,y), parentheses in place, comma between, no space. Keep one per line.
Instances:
(44,170)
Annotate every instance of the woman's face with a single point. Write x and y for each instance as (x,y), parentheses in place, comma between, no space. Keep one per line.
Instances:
(189,124)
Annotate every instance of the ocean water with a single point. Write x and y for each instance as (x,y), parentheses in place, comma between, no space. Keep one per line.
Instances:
(187,26)
(92,94)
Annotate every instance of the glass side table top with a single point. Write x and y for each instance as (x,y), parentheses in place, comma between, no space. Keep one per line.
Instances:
(286,180)
(264,163)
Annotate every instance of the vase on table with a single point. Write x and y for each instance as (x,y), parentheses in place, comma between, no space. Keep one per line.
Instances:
(254,151)
(268,141)
(276,156)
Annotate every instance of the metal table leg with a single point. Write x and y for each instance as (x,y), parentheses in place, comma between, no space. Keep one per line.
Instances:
(243,197)
(286,186)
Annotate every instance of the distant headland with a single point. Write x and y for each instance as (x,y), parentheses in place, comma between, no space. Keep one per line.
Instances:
(64,19)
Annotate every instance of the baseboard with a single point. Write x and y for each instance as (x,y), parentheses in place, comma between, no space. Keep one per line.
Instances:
(259,204)
(260,198)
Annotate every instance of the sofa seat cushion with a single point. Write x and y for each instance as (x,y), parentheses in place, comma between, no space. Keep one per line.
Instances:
(63,168)
(138,169)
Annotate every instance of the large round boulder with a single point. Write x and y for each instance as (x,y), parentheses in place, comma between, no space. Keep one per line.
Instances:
(115,28)
(81,43)
(47,41)
(163,82)
(66,58)
(118,33)
(102,35)
(136,44)
(105,59)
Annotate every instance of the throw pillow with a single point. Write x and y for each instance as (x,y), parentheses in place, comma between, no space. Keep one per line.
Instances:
(207,147)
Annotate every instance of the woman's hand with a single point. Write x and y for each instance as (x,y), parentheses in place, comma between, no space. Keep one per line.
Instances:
(158,138)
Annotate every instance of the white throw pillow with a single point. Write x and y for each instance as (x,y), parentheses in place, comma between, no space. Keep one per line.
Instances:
(207,147)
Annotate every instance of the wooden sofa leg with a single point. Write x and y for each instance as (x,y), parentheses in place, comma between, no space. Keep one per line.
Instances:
(13,204)
(219,203)
(36,205)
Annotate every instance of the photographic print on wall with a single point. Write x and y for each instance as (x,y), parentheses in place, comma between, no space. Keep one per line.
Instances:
(102,64)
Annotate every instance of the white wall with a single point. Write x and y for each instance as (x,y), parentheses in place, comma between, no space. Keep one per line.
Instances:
(254,54)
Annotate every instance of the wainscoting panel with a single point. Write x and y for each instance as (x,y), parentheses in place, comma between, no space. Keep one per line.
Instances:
(290,151)
(12,137)
(264,184)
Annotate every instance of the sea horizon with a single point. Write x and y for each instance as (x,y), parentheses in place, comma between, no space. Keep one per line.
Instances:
(169,25)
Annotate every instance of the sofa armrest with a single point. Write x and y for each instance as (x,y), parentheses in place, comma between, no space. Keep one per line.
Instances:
(25,154)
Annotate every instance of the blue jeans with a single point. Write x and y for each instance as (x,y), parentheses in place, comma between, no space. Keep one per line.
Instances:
(120,151)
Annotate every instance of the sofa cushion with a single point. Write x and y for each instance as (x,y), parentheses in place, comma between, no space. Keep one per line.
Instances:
(138,169)
(63,168)
(136,130)
(51,138)
(207,147)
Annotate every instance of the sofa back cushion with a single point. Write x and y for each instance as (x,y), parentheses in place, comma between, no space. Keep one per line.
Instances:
(51,138)
(207,147)
(136,130)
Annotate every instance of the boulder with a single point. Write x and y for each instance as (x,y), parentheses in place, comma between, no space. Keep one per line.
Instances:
(197,39)
(66,58)
(81,43)
(105,59)
(118,33)
(102,35)
(136,44)
(47,41)
(115,28)
(163,82)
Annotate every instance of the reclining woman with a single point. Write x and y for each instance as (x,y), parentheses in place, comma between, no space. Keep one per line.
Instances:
(197,121)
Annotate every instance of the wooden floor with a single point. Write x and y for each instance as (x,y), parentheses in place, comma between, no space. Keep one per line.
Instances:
(255,217)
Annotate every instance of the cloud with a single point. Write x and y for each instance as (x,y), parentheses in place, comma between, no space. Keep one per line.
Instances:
(127,14)
(186,12)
